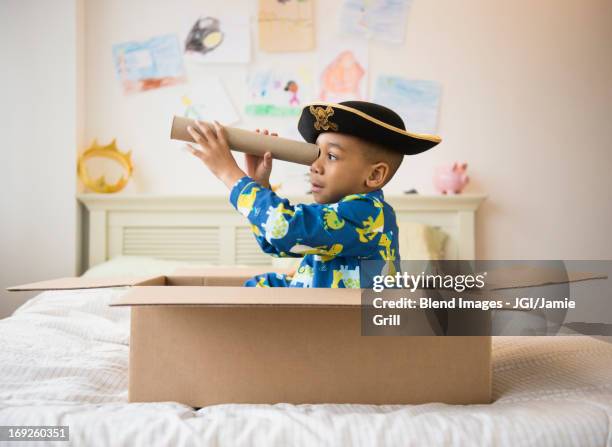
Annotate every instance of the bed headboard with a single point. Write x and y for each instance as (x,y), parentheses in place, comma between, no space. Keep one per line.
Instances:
(208,229)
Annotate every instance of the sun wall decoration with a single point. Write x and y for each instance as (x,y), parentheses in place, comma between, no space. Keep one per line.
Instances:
(109,151)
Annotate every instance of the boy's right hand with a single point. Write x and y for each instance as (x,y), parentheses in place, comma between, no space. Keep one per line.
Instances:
(259,168)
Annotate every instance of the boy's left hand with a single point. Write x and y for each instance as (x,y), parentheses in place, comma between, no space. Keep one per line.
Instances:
(215,152)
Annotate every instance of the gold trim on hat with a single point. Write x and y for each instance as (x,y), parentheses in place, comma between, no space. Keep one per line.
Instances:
(420,136)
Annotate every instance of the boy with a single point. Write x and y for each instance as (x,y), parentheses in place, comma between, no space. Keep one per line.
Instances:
(361,146)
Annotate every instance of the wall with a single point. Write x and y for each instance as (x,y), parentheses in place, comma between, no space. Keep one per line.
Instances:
(527,100)
(38,86)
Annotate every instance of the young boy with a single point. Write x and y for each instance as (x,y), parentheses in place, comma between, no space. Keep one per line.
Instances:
(361,146)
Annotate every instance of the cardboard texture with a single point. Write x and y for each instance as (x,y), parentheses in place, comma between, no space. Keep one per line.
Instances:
(71,283)
(254,143)
(527,276)
(207,276)
(198,337)
(269,354)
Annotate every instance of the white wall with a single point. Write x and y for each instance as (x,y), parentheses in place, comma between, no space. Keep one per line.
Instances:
(527,102)
(38,116)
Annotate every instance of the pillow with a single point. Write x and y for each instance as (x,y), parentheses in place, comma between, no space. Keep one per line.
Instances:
(419,241)
(138,266)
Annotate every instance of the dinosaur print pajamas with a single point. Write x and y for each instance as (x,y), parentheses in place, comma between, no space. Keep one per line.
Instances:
(331,238)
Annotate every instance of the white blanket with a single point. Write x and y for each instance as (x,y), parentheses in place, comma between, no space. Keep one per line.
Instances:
(64,359)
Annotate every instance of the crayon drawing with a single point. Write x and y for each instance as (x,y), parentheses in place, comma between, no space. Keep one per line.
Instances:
(286,25)
(219,39)
(383,20)
(416,101)
(276,93)
(154,63)
(208,100)
(343,75)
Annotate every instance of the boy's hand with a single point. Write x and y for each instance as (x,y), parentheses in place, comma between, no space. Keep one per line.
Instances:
(215,152)
(291,272)
(259,168)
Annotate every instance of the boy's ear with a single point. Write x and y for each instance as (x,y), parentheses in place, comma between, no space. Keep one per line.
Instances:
(378,175)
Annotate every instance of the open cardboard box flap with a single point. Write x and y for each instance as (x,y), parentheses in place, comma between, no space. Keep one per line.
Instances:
(518,276)
(223,286)
(514,276)
(80,282)
(83,282)
(235,296)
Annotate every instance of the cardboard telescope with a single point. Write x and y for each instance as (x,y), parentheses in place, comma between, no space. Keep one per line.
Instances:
(253,143)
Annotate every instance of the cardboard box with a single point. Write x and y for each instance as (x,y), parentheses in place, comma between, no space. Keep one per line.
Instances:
(198,337)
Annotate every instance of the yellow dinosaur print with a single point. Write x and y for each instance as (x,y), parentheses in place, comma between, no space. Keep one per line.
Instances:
(388,254)
(304,276)
(262,282)
(349,278)
(282,209)
(352,197)
(325,253)
(246,201)
(337,279)
(256,230)
(331,253)
(372,226)
(276,226)
(331,220)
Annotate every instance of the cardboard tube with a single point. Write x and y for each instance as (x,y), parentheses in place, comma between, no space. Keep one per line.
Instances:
(253,143)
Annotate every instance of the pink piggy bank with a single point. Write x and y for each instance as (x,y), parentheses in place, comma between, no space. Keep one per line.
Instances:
(451,179)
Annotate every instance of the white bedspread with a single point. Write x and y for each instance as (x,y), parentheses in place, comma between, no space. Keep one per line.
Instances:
(64,359)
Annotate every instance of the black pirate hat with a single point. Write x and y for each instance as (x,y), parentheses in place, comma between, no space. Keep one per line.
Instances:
(365,120)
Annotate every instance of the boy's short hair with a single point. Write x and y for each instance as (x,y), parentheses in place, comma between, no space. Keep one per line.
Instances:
(375,153)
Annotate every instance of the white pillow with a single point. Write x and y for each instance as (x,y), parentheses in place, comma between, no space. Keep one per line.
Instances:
(137,266)
(419,241)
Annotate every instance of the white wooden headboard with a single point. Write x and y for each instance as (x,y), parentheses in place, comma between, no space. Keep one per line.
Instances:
(207,229)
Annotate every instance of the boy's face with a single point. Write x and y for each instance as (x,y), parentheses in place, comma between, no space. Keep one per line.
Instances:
(341,168)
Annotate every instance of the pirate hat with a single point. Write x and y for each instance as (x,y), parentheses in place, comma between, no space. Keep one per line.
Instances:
(365,120)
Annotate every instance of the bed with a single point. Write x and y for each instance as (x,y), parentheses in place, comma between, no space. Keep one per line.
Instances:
(64,361)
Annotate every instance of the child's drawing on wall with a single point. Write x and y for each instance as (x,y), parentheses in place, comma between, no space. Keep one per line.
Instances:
(292,87)
(207,100)
(416,101)
(224,39)
(286,25)
(344,77)
(205,35)
(278,93)
(383,20)
(150,64)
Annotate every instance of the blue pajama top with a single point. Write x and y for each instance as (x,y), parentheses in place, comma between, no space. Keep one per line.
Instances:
(331,238)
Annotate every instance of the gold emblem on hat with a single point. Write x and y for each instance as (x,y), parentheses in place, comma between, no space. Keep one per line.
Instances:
(322,116)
